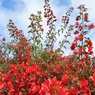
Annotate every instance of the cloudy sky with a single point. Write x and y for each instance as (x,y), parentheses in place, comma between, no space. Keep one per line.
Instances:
(20,10)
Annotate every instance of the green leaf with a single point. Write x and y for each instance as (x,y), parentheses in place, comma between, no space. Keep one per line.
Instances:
(65,47)
(67,41)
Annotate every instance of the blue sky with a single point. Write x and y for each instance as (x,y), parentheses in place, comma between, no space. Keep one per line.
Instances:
(20,10)
(11,4)
(63,2)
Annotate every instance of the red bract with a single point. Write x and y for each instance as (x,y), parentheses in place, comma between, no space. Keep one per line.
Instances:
(73,91)
(10,86)
(44,89)
(89,43)
(51,86)
(65,79)
(4,78)
(91,26)
(76,32)
(73,46)
(84,83)
(80,37)
(86,17)
(34,89)
(93,77)
(2,85)
(77,24)
(4,39)
(81,28)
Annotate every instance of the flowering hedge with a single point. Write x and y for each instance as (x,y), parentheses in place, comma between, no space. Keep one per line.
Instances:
(37,69)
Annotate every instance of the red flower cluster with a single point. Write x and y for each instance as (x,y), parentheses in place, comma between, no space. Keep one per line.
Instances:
(27,79)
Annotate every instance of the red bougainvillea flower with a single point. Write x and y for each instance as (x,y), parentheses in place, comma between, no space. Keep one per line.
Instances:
(86,91)
(73,91)
(17,32)
(65,79)
(44,89)
(76,39)
(76,51)
(93,78)
(94,66)
(4,78)
(84,83)
(2,85)
(20,93)
(81,28)
(76,32)
(90,50)
(87,56)
(51,86)
(72,47)
(80,37)
(34,89)
(74,44)
(89,62)
(86,17)
(89,43)
(10,86)
(4,39)
(84,86)
(91,26)
(77,24)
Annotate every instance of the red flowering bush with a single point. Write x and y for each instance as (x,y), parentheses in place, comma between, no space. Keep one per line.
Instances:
(37,69)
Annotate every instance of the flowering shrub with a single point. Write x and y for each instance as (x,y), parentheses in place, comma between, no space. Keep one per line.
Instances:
(35,69)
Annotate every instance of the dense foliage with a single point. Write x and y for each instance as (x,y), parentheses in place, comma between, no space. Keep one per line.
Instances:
(33,67)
